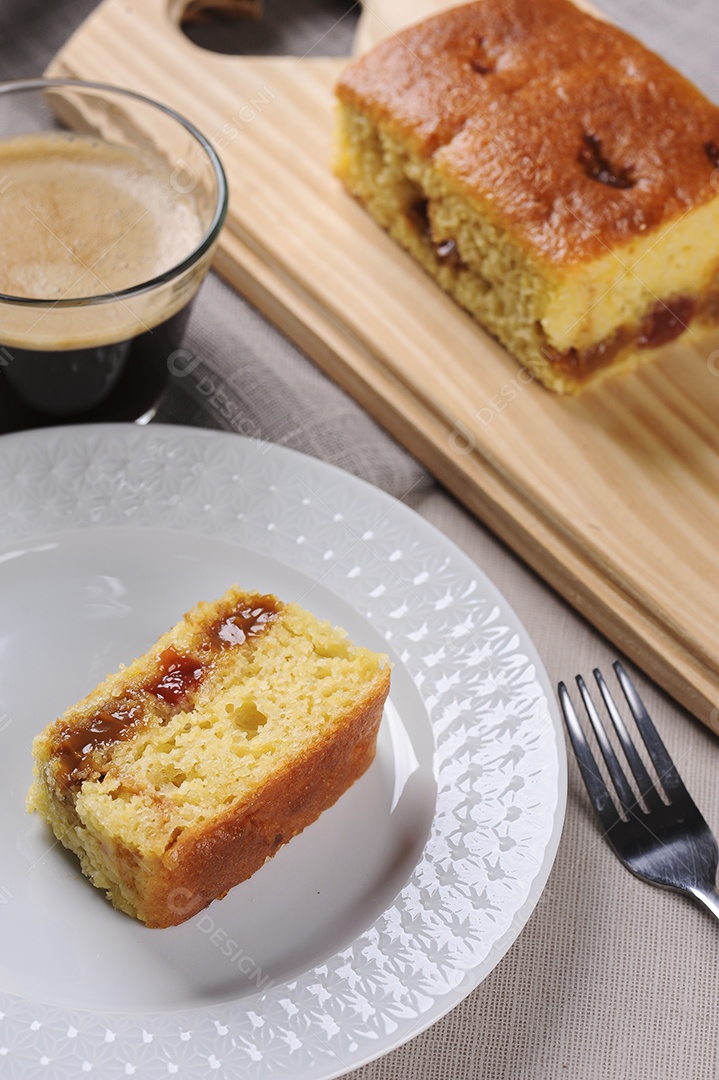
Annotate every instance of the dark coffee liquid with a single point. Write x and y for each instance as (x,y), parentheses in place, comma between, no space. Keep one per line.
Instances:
(81,218)
(126,379)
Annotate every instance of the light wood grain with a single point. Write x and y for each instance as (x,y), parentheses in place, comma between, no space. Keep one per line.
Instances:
(612,497)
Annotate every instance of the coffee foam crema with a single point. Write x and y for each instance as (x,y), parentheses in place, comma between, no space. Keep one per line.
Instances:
(80,217)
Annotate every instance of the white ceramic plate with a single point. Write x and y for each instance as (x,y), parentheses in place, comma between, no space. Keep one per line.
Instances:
(379,917)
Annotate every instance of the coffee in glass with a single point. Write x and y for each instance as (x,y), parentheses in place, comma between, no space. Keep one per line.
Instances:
(110,210)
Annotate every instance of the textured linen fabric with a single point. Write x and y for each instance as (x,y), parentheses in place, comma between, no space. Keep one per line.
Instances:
(611,979)
(238,373)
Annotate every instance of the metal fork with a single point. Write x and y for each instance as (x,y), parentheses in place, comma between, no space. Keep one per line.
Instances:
(665,844)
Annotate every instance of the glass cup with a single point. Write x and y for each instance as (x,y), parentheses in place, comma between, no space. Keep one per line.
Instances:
(111,206)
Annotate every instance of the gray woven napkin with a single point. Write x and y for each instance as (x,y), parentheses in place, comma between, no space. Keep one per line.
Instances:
(238,373)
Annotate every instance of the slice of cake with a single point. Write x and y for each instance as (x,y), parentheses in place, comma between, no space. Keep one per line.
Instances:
(555,177)
(180,775)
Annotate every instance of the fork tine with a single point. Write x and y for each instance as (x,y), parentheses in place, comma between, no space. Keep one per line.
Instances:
(626,796)
(644,781)
(598,793)
(668,775)
(670,845)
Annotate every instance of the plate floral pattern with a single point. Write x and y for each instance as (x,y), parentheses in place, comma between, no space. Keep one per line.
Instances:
(498,750)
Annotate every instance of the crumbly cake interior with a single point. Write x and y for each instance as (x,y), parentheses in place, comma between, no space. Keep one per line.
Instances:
(222,707)
(471,257)
(559,180)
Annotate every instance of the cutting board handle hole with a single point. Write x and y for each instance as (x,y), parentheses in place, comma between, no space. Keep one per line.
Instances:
(266,27)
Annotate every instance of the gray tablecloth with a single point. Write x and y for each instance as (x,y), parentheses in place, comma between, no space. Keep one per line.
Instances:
(611,979)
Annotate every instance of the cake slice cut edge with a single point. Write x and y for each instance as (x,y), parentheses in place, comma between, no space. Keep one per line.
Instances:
(181,774)
(556,178)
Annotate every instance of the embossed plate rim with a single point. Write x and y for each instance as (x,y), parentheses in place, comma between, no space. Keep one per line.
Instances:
(389,985)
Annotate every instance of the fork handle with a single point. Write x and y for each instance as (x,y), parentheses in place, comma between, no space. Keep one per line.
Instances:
(708,898)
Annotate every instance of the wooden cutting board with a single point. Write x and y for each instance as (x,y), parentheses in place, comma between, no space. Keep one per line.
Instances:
(613,497)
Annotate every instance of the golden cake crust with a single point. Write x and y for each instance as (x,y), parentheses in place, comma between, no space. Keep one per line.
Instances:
(181,774)
(208,862)
(568,132)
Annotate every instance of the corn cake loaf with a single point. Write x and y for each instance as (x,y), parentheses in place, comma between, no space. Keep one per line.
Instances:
(181,774)
(556,177)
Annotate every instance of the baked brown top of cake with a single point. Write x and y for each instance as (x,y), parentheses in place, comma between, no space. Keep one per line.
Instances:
(617,141)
